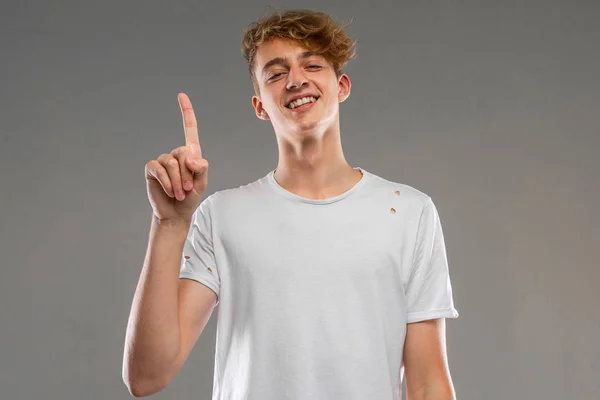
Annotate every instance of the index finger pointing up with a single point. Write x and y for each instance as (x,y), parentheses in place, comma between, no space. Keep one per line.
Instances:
(189,125)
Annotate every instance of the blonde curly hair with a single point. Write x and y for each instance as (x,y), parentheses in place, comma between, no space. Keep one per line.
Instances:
(315,30)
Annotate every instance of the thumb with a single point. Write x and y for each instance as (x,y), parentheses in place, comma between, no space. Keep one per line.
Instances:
(200,175)
(193,162)
(199,167)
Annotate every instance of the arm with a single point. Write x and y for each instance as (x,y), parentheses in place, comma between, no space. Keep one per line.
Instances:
(425,361)
(167,315)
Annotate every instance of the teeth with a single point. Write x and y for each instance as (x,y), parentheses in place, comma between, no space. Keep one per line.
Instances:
(299,102)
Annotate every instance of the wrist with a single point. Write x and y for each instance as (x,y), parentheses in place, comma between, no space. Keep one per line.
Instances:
(175,223)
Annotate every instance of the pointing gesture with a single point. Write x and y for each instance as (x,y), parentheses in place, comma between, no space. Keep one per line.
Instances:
(189,125)
(176,181)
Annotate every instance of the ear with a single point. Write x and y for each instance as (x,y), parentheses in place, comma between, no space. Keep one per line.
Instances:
(261,113)
(344,86)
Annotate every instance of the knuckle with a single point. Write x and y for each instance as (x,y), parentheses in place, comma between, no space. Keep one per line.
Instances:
(152,166)
(161,176)
(160,170)
(172,162)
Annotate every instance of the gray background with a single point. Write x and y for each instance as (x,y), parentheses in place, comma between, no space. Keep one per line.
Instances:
(489,107)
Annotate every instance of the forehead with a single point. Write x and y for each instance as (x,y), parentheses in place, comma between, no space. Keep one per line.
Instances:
(282,48)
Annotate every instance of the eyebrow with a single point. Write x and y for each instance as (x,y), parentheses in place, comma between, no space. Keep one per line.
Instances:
(284,62)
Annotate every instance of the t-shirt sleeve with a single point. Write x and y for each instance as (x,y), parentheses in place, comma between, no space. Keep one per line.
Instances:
(429,292)
(198,257)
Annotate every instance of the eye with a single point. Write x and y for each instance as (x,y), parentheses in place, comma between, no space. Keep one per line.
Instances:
(274,76)
(314,66)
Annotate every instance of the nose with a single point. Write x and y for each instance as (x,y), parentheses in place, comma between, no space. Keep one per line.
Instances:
(296,78)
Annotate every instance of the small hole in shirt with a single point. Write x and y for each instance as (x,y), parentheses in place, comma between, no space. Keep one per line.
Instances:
(392,210)
(397,192)
(187,257)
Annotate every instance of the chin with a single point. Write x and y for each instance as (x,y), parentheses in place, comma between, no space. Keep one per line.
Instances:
(306,127)
(308,121)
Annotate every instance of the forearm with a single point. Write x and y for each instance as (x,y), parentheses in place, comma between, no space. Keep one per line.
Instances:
(439,391)
(152,339)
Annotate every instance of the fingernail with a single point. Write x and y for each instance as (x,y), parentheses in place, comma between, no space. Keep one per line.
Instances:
(187,185)
(180,195)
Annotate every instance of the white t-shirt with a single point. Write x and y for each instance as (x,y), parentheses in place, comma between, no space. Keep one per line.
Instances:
(314,295)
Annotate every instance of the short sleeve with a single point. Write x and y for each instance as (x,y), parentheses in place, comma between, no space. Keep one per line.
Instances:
(198,257)
(429,292)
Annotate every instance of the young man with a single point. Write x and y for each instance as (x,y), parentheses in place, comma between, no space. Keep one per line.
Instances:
(331,280)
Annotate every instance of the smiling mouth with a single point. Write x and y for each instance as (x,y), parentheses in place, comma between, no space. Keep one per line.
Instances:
(300,104)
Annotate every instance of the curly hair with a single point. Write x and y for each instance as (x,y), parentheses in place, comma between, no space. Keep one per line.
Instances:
(315,30)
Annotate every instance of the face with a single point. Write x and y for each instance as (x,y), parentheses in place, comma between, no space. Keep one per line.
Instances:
(286,71)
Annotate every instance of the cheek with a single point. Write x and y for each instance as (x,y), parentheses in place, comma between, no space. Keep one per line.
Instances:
(271,99)
(274,107)
(267,103)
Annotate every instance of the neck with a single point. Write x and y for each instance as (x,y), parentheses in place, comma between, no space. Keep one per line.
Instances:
(315,166)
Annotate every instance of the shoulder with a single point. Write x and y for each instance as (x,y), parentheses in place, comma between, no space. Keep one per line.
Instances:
(411,197)
(234,200)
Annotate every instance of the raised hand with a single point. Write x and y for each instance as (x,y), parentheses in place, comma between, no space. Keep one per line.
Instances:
(176,181)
